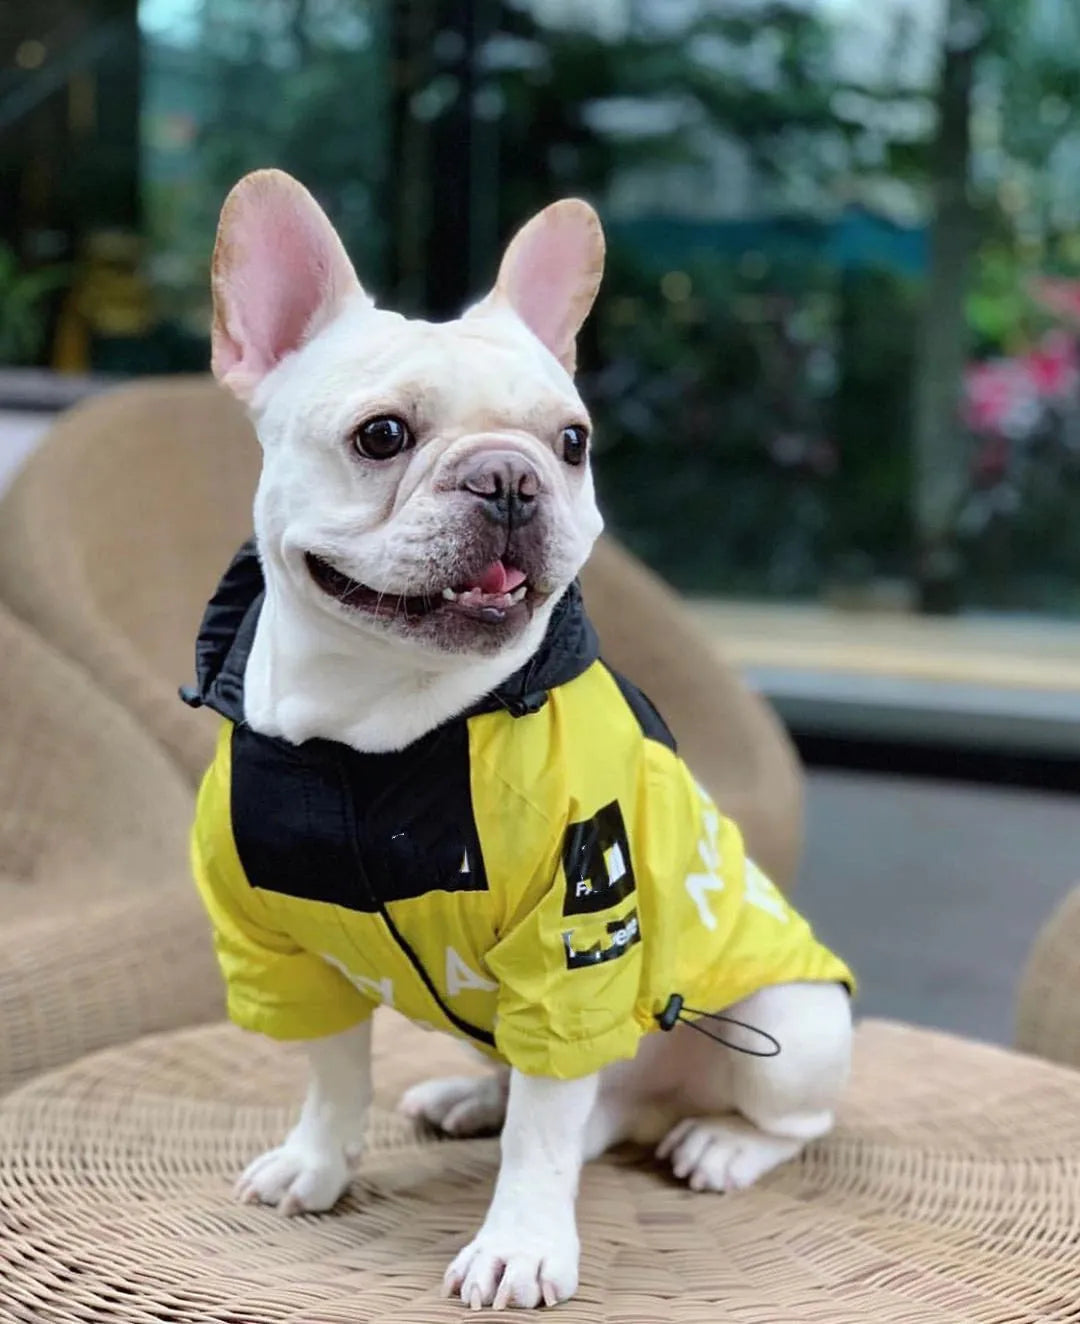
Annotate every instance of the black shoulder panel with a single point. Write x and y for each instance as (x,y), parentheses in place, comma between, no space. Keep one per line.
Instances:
(653,726)
(291,822)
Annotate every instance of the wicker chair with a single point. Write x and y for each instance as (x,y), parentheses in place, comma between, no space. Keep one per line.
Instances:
(112,537)
(114,534)
(100,938)
(1048,1005)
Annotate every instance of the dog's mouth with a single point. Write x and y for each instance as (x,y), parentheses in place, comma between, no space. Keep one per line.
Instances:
(496,593)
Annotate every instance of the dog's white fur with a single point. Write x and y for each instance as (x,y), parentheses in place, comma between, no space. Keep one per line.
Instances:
(392,526)
(298,339)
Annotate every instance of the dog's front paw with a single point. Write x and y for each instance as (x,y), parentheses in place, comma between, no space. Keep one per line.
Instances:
(299,1178)
(516,1265)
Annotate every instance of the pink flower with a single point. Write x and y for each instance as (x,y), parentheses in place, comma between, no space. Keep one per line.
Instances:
(1061,297)
(1002,396)
(992,391)
(1055,366)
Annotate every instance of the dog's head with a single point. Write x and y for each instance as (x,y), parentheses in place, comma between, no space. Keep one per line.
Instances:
(428,482)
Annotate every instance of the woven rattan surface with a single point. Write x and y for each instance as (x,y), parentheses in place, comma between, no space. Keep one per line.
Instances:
(949,1192)
(115,532)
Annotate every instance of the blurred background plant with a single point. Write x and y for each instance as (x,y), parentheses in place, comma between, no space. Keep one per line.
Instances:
(836,351)
(24,307)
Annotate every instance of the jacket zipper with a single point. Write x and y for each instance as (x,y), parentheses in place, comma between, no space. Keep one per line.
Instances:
(458,1022)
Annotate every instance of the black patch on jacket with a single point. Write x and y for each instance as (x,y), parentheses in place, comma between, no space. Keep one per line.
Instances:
(597,864)
(322,822)
(622,935)
(291,822)
(653,726)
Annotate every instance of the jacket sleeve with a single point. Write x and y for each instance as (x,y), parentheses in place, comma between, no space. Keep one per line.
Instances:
(273,985)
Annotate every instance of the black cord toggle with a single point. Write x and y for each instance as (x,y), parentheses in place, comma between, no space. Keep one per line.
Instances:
(527,704)
(673,1015)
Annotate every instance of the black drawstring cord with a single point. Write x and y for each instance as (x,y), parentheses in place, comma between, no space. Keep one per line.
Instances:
(673,1014)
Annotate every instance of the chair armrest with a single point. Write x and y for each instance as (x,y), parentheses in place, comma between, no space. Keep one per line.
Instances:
(1048,1004)
(103,975)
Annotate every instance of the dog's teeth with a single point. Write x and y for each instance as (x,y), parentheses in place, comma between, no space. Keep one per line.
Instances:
(449,595)
(519,593)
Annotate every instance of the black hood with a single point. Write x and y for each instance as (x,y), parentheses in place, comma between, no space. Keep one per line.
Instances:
(228,627)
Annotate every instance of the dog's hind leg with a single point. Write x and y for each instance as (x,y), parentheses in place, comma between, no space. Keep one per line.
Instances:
(774,1105)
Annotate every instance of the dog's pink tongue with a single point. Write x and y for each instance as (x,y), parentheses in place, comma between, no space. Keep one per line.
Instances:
(498,578)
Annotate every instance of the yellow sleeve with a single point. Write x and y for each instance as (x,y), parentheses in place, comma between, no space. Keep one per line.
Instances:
(273,986)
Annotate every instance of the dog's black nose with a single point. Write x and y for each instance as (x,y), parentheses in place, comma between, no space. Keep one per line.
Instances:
(507,483)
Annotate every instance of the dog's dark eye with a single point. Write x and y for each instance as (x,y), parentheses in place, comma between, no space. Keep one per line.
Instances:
(382,438)
(575,442)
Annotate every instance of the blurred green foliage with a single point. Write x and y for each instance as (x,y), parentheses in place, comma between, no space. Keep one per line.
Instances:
(25,299)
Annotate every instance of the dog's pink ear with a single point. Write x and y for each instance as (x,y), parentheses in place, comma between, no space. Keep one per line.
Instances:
(550,273)
(280,273)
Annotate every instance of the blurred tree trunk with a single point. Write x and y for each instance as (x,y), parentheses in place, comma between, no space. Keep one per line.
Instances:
(412,34)
(445,180)
(298,29)
(463,143)
(939,445)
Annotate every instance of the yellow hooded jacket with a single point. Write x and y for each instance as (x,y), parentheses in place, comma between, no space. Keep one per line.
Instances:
(540,876)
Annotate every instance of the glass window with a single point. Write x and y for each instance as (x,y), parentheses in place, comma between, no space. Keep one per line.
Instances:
(836,355)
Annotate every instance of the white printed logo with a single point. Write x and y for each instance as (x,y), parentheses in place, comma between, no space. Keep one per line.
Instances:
(624,934)
(700,884)
(378,990)
(460,976)
(616,865)
(762,892)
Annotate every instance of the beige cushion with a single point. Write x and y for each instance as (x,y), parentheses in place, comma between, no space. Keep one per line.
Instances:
(947,1193)
(116,531)
(100,935)
(1048,1004)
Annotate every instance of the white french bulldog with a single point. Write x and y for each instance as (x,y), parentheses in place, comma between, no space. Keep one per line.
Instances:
(425,503)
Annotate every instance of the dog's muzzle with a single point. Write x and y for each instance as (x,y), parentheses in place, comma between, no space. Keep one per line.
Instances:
(506,484)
